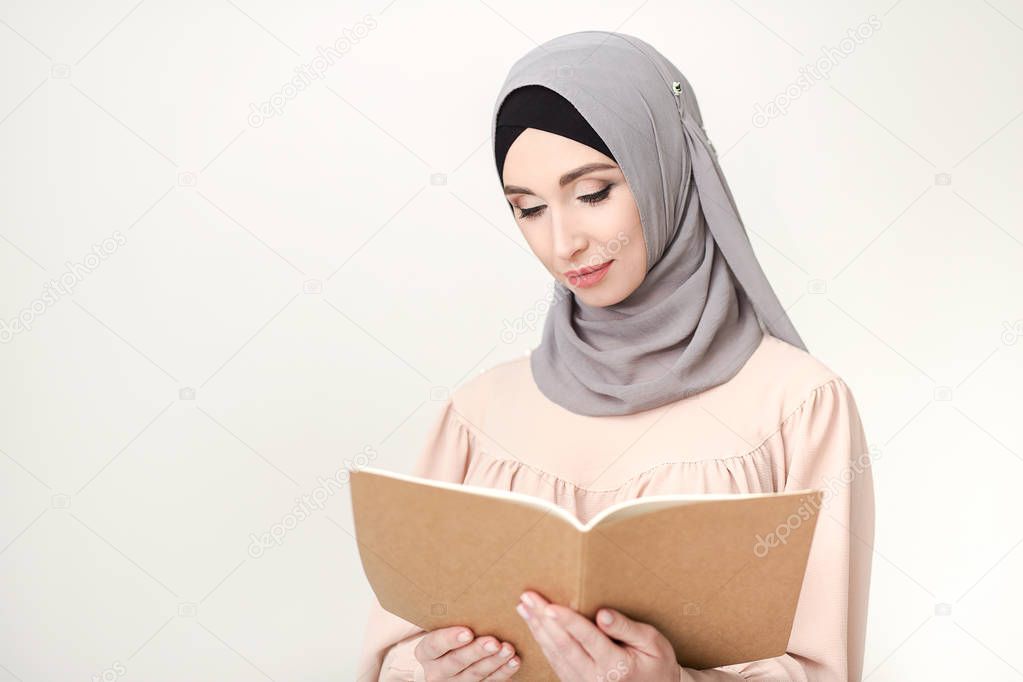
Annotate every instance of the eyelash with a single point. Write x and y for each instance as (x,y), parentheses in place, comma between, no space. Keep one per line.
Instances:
(592,199)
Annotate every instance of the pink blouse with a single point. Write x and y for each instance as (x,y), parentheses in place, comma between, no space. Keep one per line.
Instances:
(784,422)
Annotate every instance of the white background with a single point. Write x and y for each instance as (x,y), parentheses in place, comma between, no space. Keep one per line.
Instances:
(196,382)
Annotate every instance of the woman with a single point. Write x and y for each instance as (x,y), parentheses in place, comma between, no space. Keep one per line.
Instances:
(667,365)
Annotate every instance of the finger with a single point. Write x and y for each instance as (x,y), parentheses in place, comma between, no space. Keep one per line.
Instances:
(486,666)
(507,670)
(438,642)
(537,631)
(455,662)
(550,633)
(594,642)
(638,635)
(547,647)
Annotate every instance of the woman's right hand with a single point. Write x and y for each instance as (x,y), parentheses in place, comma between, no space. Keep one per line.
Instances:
(452,654)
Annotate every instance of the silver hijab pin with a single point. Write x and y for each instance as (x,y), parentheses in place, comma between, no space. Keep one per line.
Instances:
(677,87)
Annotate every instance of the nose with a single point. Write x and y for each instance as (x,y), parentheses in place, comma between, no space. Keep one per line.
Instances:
(568,235)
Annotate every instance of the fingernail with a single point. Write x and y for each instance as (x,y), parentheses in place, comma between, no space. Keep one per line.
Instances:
(530,602)
(605,617)
(464,637)
(514,663)
(490,647)
(505,652)
(522,611)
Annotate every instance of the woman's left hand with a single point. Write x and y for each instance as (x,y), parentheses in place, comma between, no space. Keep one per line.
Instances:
(578,649)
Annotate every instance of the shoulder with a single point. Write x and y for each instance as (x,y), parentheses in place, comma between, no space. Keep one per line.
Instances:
(773,385)
(498,383)
(789,374)
(779,358)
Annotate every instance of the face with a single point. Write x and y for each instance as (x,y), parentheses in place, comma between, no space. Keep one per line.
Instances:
(577,214)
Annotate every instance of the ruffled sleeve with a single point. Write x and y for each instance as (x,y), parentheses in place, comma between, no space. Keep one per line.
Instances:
(388,646)
(824,447)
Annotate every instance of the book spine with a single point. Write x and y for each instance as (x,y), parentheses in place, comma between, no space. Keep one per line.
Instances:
(580,604)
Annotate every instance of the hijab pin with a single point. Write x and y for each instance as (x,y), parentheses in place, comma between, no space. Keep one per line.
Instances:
(677,87)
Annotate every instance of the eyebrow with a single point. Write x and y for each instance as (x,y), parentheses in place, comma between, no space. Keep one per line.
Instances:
(564,179)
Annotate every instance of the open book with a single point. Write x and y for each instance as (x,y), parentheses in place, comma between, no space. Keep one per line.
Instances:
(718,574)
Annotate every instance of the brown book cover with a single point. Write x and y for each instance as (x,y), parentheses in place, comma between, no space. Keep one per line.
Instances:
(718,574)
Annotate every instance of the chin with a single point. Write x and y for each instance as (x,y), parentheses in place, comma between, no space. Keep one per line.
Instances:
(597,298)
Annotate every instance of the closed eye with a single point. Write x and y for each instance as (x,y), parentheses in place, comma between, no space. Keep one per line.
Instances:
(533,211)
(595,198)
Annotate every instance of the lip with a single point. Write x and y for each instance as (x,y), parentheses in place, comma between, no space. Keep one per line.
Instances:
(588,276)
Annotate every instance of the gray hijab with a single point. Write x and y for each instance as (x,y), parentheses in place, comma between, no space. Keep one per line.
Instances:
(705,303)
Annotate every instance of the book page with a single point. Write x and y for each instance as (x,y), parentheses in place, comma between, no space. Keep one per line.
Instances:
(643,505)
(437,556)
(703,574)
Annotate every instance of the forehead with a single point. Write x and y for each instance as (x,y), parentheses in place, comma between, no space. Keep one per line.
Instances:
(537,156)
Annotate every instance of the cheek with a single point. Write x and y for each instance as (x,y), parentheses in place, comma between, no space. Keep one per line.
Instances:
(619,226)
(631,226)
(628,238)
(539,241)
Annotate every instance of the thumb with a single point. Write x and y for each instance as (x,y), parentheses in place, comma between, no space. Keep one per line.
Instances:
(631,632)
